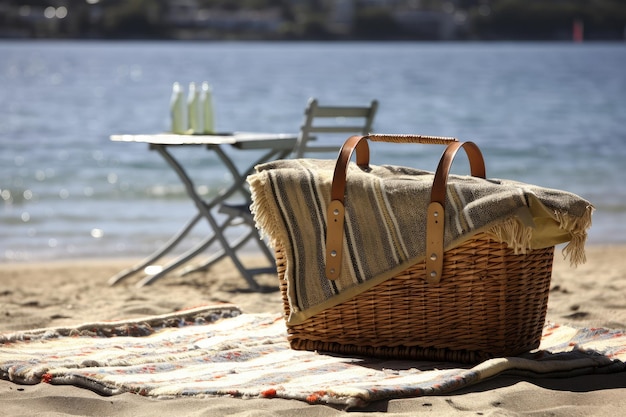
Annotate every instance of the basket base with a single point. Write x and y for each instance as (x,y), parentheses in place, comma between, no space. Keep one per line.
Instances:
(395,352)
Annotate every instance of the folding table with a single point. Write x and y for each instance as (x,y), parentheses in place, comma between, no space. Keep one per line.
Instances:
(271,146)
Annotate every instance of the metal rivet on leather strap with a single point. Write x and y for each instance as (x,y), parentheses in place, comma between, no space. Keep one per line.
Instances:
(434,242)
(334,239)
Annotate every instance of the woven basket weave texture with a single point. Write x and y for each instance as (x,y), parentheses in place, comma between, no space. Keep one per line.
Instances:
(489,303)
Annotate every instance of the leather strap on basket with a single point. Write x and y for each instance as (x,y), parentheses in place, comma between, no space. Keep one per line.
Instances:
(336,211)
(435,221)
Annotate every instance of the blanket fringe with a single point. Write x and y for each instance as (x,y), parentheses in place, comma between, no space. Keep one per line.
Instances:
(577,227)
(514,233)
(260,209)
(518,237)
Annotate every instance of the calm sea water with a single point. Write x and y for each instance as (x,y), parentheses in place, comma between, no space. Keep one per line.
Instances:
(552,114)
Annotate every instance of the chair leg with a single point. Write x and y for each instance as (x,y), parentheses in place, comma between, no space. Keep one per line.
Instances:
(231,252)
(216,257)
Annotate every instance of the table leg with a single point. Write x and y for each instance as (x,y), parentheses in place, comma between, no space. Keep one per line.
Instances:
(205,209)
(171,244)
(190,254)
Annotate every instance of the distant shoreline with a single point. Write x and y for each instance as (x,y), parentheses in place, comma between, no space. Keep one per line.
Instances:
(326,41)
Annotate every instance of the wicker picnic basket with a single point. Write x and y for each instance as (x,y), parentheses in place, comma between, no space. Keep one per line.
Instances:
(475,301)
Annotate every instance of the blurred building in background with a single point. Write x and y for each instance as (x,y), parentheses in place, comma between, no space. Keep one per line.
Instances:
(315,19)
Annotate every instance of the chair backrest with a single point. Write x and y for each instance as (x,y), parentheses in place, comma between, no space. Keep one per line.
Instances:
(325,128)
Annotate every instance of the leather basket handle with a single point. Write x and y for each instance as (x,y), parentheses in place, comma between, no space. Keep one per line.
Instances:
(336,209)
(435,222)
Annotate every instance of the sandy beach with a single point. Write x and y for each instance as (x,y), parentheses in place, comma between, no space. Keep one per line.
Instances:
(35,295)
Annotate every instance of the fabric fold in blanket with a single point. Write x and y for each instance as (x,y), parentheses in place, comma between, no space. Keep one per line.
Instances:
(385,224)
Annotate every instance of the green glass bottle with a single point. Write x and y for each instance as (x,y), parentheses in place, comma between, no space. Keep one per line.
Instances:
(193,109)
(206,99)
(178,123)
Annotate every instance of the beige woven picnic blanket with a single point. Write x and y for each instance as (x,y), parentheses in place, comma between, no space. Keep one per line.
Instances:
(385,224)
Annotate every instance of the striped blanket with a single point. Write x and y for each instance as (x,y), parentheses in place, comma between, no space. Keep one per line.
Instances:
(217,351)
(385,222)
